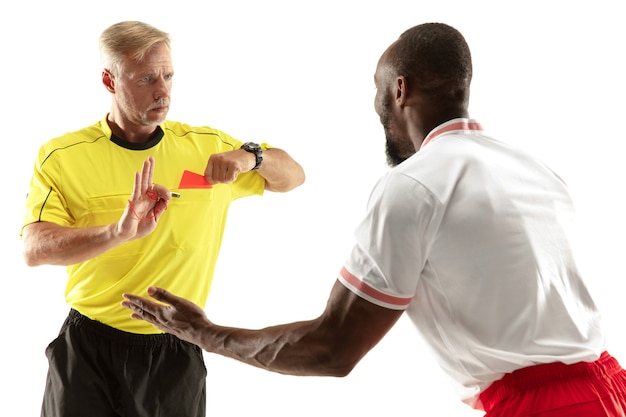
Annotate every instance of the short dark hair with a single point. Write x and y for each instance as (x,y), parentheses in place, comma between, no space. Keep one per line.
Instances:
(434,58)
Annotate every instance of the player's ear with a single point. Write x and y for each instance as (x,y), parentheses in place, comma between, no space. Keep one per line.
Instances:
(401,91)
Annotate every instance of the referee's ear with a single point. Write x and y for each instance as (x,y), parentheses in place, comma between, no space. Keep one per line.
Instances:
(108,80)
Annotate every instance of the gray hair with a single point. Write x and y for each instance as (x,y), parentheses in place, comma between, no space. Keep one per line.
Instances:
(132,39)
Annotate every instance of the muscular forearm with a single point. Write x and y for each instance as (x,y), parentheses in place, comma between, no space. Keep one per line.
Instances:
(330,345)
(301,348)
(281,172)
(51,244)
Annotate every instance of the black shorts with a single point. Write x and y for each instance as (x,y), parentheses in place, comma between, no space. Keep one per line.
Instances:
(98,371)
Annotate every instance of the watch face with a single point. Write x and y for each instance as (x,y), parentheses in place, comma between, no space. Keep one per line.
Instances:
(257,150)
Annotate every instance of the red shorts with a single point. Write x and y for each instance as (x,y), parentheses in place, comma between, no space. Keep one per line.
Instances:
(585,389)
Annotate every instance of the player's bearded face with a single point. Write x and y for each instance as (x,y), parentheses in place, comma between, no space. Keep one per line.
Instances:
(397,148)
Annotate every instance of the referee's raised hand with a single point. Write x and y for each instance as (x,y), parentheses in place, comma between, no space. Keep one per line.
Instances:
(145,206)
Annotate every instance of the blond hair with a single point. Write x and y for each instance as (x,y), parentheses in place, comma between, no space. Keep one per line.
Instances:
(132,39)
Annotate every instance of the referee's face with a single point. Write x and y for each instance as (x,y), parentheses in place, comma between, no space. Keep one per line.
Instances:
(143,90)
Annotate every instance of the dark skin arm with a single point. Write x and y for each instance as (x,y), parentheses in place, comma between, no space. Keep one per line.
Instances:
(330,345)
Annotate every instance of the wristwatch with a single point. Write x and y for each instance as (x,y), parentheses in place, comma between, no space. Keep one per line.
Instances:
(256,149)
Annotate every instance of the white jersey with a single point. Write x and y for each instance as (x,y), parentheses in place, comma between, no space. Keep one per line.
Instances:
(474,239)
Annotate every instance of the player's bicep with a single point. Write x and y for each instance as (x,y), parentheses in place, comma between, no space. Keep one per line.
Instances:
(356,323)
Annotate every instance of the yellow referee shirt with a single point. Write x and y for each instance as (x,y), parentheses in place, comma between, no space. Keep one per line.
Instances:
(85,178)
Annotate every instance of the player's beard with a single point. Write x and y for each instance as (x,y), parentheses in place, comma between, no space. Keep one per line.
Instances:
(392,152)
(397,149)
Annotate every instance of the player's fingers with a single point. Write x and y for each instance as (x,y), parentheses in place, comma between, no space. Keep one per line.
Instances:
(162,295)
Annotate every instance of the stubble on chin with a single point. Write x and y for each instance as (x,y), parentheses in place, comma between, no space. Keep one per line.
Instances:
(153,120)
(156,113)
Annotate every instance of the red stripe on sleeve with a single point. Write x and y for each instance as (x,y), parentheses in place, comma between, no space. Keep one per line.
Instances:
(372,292)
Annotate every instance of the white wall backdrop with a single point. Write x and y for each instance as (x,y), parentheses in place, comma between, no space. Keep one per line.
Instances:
(548,77)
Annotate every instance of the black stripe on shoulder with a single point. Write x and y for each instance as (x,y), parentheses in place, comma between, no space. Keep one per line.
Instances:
(70,146)
(44,203)
(201,133)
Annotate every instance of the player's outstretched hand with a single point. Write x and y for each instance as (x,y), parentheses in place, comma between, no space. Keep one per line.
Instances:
(173,314)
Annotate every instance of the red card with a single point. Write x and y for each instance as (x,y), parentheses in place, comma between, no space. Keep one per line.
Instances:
(193,180)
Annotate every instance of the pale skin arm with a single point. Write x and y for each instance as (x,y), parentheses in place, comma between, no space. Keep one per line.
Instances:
(46,243)
(281,172)
(330,345)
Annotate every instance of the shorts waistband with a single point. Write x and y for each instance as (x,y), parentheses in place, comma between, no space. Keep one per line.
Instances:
(78,320)
(546,374)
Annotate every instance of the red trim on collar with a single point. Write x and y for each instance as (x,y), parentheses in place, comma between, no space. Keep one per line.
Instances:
(453,125)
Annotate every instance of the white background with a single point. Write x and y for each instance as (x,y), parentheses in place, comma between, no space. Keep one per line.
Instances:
(549,77)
